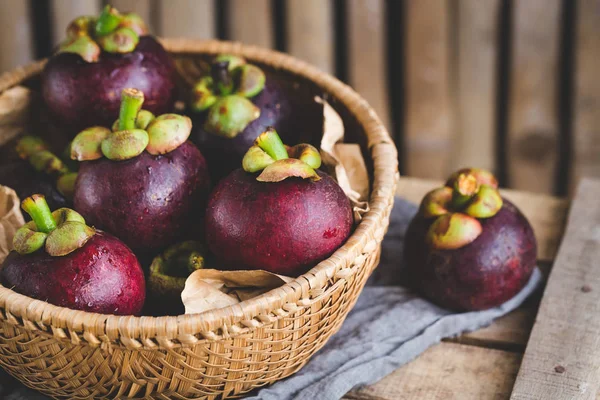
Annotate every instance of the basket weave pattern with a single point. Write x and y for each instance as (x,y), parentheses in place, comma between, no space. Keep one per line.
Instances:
(73,354)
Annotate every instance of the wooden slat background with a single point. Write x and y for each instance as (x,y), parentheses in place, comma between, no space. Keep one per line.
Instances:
(508,85)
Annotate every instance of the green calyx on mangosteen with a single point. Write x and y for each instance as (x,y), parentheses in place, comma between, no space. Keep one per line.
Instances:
(136,130)
(168,273)
(468,248)
(112,32)
(60,232)
(225,94)
(277,213)
(58,258)
(457,206)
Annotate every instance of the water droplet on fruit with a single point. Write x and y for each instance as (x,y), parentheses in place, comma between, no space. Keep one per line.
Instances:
(146,211)
(149,169)
(89,304)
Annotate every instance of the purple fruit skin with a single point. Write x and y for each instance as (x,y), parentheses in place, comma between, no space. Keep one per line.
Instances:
(285,227)
(81,94)
(103,276)
(483,274)
(149,202)
(285,105)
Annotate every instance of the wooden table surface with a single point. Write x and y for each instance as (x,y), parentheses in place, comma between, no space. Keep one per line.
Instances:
(479,365)
(483,364)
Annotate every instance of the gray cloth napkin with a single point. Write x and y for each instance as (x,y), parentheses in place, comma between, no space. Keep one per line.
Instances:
(389,326)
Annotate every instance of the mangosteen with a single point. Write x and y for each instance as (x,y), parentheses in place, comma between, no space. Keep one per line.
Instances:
(237,101)
(59,259)
(168,273)
(82,82)
(285,219)
(468,248)
(143,182)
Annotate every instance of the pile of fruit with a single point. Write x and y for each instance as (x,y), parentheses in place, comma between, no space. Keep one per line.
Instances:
(143,196)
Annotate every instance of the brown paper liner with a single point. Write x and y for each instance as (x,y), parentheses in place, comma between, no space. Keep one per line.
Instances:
(11,219)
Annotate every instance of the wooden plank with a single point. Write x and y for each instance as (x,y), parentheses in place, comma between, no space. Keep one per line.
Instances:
(141,7)
(428,123)
(475,80)
(586,133)
(547,214)
(309,32)
(367,54)
(251,22)
(187,18)
(533,120)
(64,11)
(16,46)
(448,371)
(562,360)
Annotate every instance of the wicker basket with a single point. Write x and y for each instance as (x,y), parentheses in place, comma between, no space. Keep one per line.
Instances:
(74,354)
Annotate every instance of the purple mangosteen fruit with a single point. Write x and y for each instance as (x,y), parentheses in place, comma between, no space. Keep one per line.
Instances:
(468,248)
(59,259)
(82,82)
(143,182)
(236,101)
(285,219)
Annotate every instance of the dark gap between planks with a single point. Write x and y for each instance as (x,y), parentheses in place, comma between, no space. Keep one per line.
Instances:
(395,48)
(279,15)
(41,27)
(566,95)
(504,60)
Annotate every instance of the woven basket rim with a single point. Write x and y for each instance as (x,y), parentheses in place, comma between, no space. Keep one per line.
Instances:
(288,297)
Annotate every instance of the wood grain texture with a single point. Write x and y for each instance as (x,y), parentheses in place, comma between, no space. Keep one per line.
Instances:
(141,7)
(428,118)
(449,371)
(474,74)
(367,54)
(562,360)
(310,32)
(586,132)
(16,46)
(64,11)
(251,22)
(547,214)
(533,119)
(187,18)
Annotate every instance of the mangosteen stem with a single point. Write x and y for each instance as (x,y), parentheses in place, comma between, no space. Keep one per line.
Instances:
(222,80)
(131,104)
(108,21)
(465,187)
(40,213)
(271,143)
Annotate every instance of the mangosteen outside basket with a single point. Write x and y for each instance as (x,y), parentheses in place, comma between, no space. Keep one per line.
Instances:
(220,353)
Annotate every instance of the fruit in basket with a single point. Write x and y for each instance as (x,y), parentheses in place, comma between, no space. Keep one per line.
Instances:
(167,276)
(279,213)
(100,57)
(468,248)
(237,101)
(59,259)
(144,182)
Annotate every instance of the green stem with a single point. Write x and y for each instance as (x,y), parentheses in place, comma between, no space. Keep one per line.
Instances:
(40,213)
(271,143)
(131,104)
(465,187)
(222,79)
(108,21)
